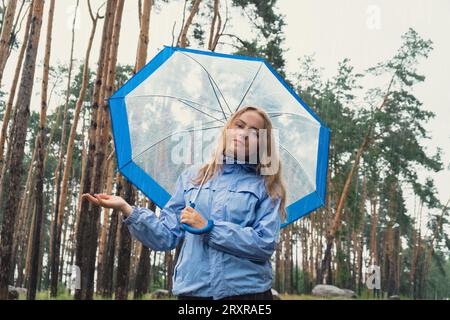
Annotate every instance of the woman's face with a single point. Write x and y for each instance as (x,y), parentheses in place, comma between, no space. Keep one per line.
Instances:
(242,136)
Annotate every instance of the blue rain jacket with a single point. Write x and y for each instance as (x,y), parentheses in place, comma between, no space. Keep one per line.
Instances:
(234,257)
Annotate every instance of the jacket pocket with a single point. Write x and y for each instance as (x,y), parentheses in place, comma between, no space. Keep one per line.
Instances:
(242,203)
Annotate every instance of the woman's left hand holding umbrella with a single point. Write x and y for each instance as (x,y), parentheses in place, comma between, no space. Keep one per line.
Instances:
(193,218)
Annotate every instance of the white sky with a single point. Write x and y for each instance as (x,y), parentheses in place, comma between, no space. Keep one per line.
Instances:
(365,31)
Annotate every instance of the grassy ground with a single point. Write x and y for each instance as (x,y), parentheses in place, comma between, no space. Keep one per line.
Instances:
(43,295)
(65,295)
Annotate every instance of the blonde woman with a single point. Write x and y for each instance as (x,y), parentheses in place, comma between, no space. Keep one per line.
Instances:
(237,215)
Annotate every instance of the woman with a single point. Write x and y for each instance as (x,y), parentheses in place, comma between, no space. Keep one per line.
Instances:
(244,199)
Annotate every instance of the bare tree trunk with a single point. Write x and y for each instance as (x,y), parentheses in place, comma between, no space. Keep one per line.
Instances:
(54,250)
(108,267)
(373,231)
(89,215)
(183,36)
(360,251)
(287,260)
(390,259)
(30,238)
(277,284)
(9,104)
(22,215)
(5,39)
(143,270)
(123,265)
(17,150)
(69,153)
(142,49)
(340,207)
(438,229)
(25,229)
(105,227)
(39,187)
(214,32)
(41,254)
(83,175)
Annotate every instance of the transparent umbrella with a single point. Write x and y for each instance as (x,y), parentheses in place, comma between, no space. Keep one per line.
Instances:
(182,93)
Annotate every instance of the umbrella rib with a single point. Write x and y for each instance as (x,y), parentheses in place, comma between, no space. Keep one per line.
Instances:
(215,93)
(212,82)
(277,114)
(248,89)
(223,97)
(176,98)
(201,111)
(301,166)
(166,137)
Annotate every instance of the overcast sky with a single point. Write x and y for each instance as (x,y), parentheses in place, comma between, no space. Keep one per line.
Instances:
(365,31)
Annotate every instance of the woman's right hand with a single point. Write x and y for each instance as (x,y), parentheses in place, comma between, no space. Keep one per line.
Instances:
(107,201)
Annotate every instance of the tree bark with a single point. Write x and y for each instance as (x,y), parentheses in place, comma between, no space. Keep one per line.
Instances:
(340,207)
(5,39)
(105,228)
(142,49)
(55,233)
(216,24)
(89,215)
(39,187)
(183,36)
(69,155)
(18,143)
(9,104)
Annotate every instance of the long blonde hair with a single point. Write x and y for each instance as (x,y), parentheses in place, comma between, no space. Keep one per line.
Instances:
(274,181)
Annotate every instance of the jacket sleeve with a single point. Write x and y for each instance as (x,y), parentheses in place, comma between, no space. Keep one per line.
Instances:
(163,233)
(257,242)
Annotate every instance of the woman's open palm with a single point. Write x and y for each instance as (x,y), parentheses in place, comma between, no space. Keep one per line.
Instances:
(105,200)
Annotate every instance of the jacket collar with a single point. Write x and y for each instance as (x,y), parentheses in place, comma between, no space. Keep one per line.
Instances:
(232,164)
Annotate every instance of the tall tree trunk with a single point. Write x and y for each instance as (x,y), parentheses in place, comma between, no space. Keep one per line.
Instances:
(105,227)
(108,267)
(5,39)
(373,231)
(143,269)
(360,243)
(287,260)
(390,258)
(438,229)
(277,284)
(340,207)
(9,104)
(21,218)
(17,150)
(69,153)
(143,273)
(123,264)
(216,24)
(41,254)
(39,187)
(89,215)
(54,250)
(183,35)
(142,49)
(29,245)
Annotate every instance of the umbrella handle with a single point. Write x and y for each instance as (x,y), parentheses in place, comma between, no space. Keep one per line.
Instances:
(188,228)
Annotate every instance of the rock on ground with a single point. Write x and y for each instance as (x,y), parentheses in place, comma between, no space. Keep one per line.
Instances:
(325,290)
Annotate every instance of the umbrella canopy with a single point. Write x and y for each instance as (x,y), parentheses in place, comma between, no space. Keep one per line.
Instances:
(184,94)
